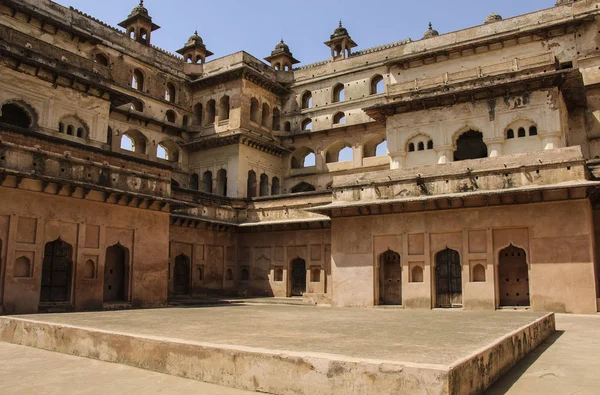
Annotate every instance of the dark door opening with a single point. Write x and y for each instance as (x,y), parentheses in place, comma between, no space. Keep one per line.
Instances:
(390,278)
(56,272)
(181,278)
(513,277)
(298,277)
(448,275)
(116,274)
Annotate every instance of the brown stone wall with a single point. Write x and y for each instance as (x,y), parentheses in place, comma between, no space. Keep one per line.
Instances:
(210,252)
(558,239)
(30,220)
(265,253)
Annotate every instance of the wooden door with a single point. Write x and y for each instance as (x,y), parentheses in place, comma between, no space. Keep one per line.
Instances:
(181,275)
(56,272)
(448,273)
(513,277)
(298,277)
(391,278)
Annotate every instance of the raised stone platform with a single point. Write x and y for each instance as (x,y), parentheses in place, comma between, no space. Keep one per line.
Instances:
(297,349)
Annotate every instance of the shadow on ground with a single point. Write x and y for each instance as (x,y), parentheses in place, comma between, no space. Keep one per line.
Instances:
(505,383)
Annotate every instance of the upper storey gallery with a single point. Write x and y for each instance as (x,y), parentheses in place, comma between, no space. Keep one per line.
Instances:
(424,97)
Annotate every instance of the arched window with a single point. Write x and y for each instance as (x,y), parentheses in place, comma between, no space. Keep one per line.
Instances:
(375,146)
(377,85)
(338,93)
(101,59)
(136,105)
(198,114)
(171,116)
(133,140)
(264,185)
(254,110)
(429,144)
(167,150)
(339,118)
(521,132)
(275,188)
(315,275)
(161,152)
(340,151)
(194,182)
(224,108)
(307,124)
(222,182)
(303,187)
(245,275)
(16,115)
(73,126)
(251,185)
(411,147)
(143,38)
(307,100)
(266,115)
(421,146)
(287,126)
(276,119)
(229,275)
(303,157)
(185,121)
(510,134)
(127,143)
(210,112)
(22,267)
(478,274)
(207,179)
(89,269)
(137,80)
(470,145)
(170,92)
(278,274)
(533,131)
(416,274)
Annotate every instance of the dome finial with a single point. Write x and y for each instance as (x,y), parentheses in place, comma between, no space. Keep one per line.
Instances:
(430,32)
(430,26)
(340,22)
(141,3)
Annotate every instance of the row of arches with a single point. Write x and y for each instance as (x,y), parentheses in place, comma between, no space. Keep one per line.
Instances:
(136,141)
(73,126)
(339,151)
(376,86)
(209,184)
(512,278)
(207,114)
(261,115)
(57,272)
(264,188)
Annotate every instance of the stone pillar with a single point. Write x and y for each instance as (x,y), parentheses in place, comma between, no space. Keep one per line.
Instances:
(320,161)
(357,156)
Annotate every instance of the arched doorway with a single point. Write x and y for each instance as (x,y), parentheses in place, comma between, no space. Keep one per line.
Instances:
(448,278)
(56,272)
(513,277)
(181,275)
(116,274)
(298,277)
(470,145)
(390,278)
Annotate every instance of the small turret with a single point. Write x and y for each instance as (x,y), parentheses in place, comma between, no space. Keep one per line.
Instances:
(493,18)
(430,32)
(281,58)
(194,51)
(139,24)
(341,43)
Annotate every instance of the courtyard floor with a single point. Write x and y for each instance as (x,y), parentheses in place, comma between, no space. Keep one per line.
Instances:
(432,337)
(567,363)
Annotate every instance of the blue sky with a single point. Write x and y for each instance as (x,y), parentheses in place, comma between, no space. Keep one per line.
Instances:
(257,26)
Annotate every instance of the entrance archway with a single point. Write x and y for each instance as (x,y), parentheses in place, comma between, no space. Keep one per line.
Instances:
(116,274)
(56,272)
(298,277)
(448,278)
(390,278)
(181,277)
(513,277)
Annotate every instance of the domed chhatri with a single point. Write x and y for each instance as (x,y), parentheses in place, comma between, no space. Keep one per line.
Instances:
(493,18)
(139,24)
(281,58)
(340,43)
(339,32)
(194,51)
(430,32)
(139,10)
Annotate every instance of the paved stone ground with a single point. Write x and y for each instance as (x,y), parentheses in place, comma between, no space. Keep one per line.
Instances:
(433,337)
(25,370)
(567,363)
